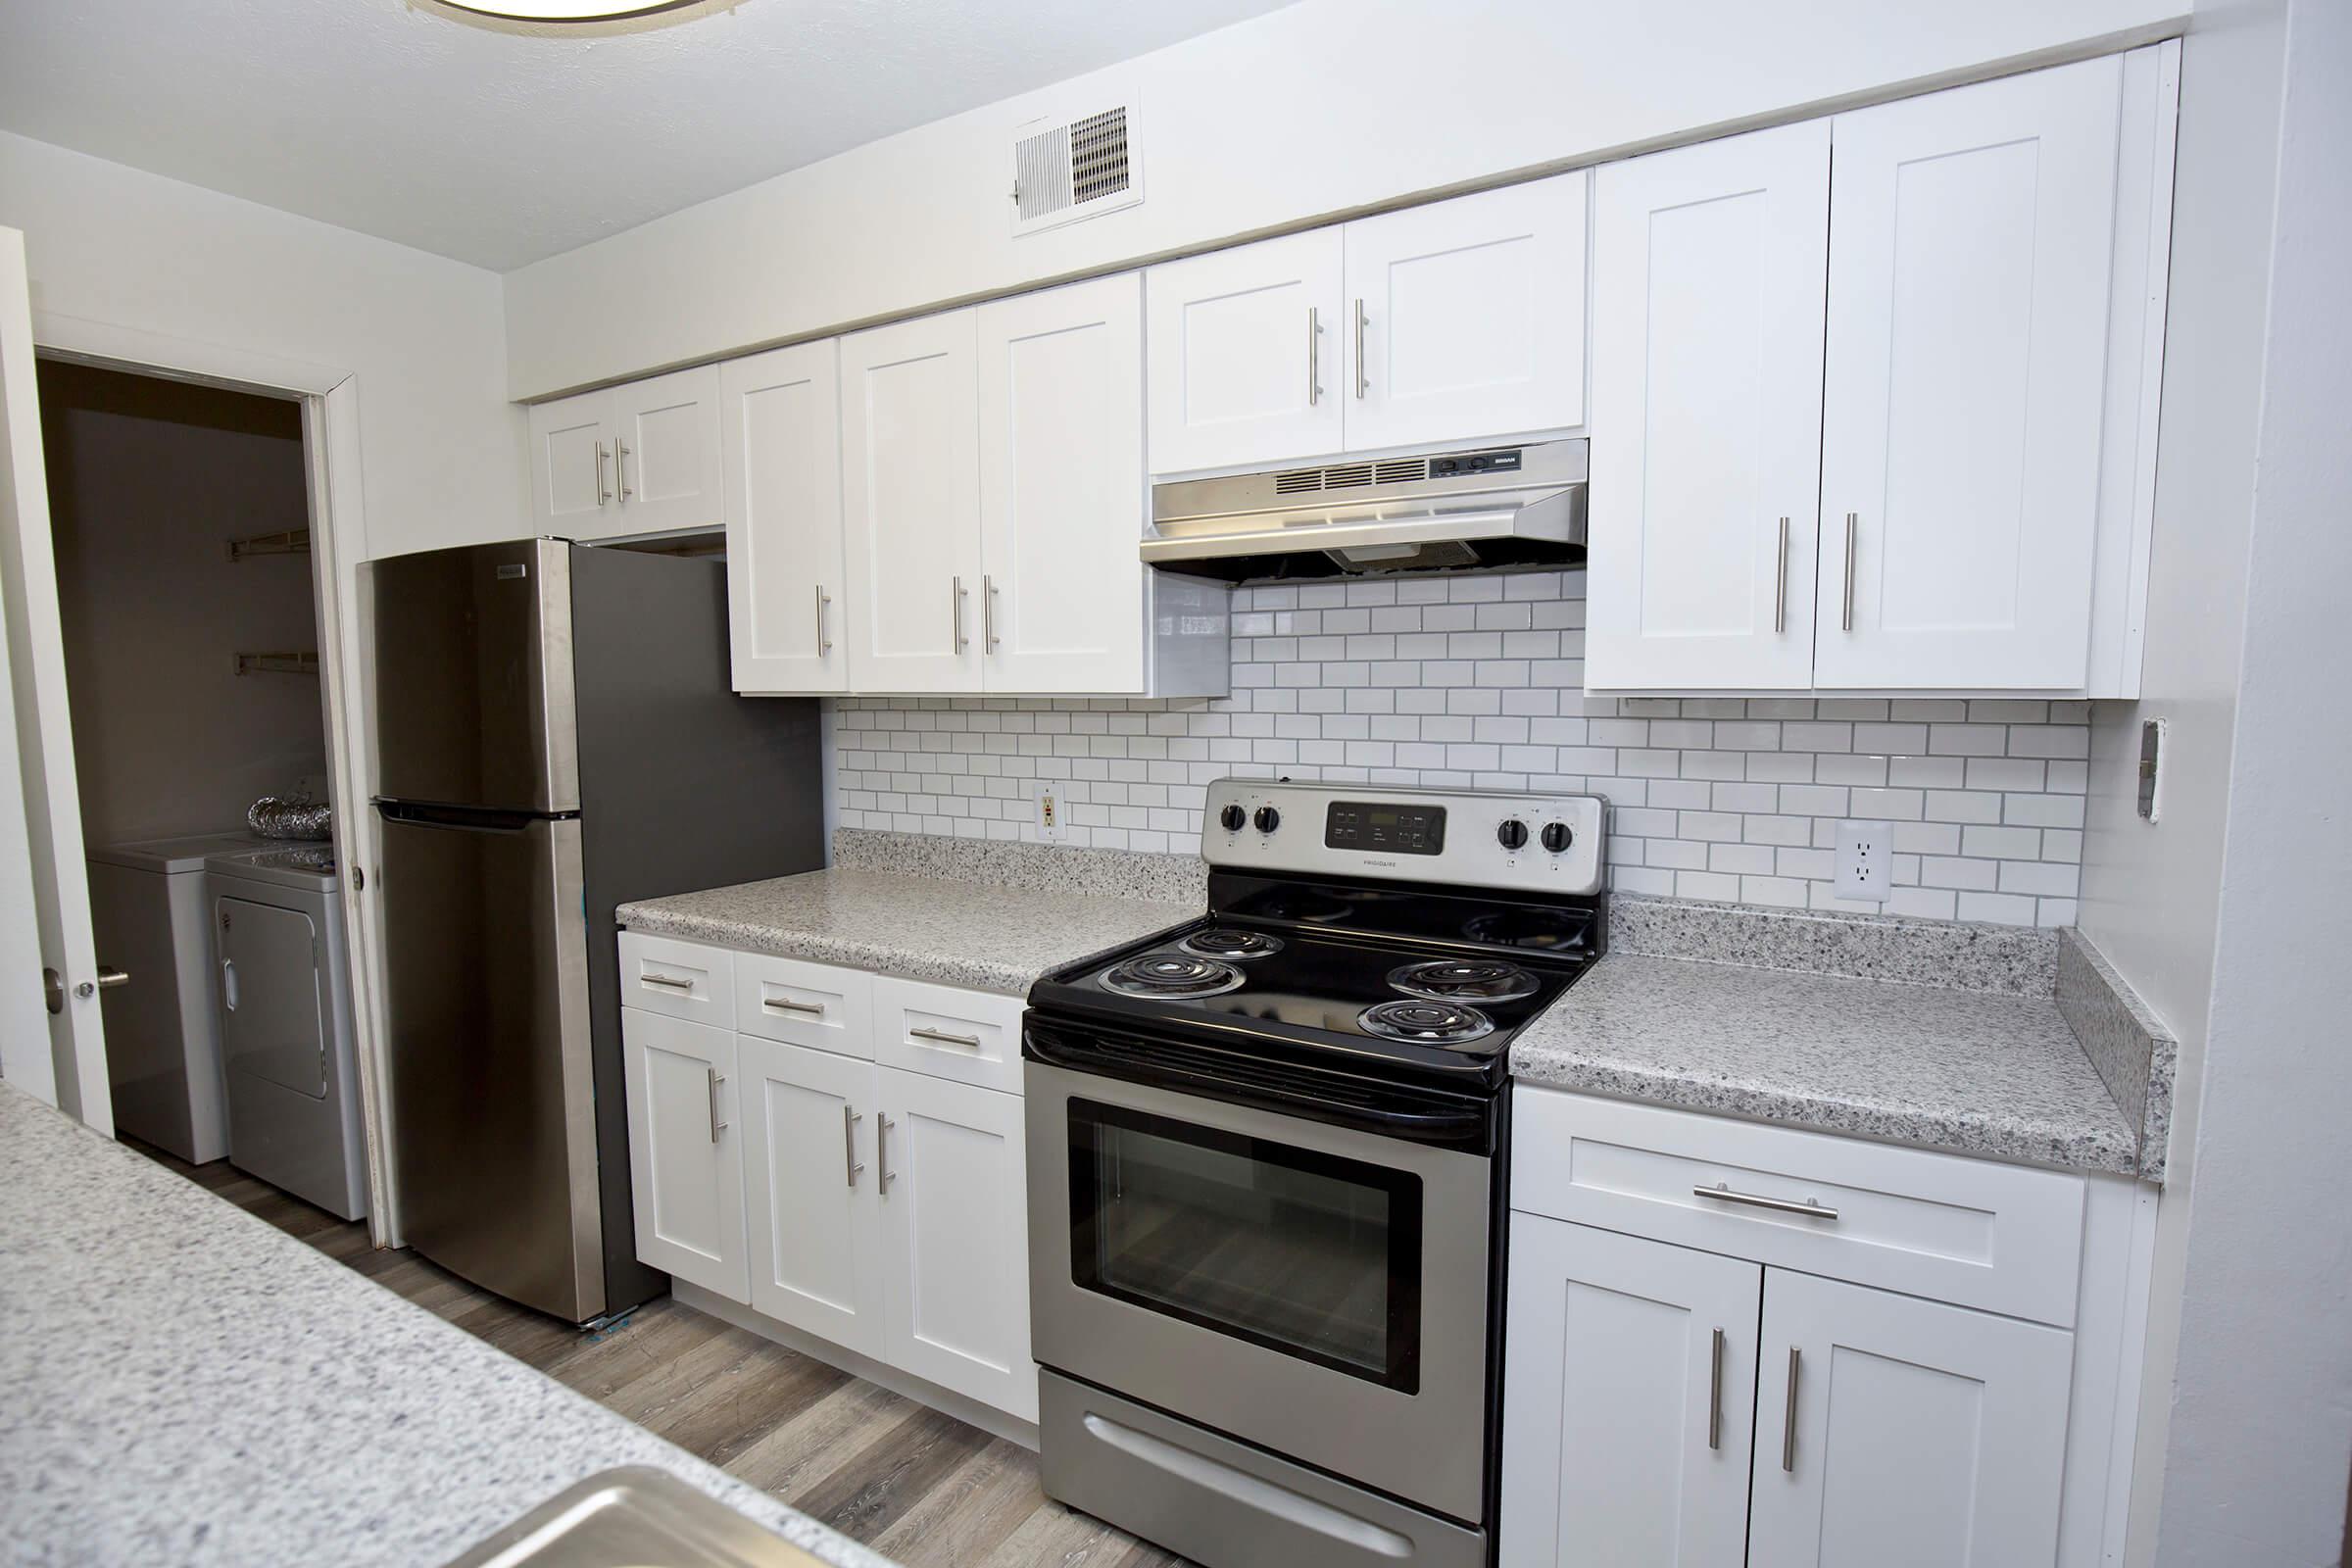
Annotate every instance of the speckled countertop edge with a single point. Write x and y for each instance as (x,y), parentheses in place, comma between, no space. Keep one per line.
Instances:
(2132,1048)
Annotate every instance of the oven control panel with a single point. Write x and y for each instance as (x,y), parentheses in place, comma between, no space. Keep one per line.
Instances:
(1469,838)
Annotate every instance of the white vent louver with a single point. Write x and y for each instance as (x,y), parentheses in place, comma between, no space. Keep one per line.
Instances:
(1063,171)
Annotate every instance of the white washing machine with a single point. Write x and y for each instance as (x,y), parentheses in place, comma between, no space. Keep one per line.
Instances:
(286,1054)
(163,1031)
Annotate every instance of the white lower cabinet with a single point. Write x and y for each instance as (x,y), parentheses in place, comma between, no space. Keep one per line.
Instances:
(880,1209)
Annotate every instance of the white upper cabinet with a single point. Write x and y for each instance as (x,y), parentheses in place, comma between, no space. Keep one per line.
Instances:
(911,489)
(1246,354)
(780,440)
(1467,318)
(1710,265)
(1462,321)
(642,458)
(1971,246)
(1892,1430)
(1061,489)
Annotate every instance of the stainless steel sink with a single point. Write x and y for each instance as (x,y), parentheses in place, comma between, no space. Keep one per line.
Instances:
(634,1517)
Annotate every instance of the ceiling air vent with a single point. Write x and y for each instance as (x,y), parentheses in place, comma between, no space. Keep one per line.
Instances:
(1067,169)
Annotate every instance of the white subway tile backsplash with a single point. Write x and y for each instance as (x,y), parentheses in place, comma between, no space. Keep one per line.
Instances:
(1477,682)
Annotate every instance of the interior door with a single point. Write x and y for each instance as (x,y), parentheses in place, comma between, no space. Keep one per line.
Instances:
(1466,318)
(1892,1429)
(1061,489)
(1628,1401)
(572,466)
(1971,234)
(781,443)
(40,809)
(665,451)
(952,1185)
(811,1214)
(910,488)
(1706,414)
(1244,361)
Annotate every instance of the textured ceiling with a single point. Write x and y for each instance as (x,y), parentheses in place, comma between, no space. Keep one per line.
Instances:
(498,144)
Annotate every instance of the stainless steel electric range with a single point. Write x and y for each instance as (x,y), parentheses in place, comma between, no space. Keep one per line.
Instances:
(1267,1175)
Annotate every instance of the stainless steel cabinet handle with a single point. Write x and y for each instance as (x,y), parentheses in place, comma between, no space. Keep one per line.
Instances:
(228,985)
(715,1078)
(988,611)
(825,644)
(1314,357)
(621,466)
(943,1037)
(882,1154)
(787,1005)
(666,981)
(1359,350)
(603,491)
(849,1147)
(1715,1394)
(1810,1208)
(1854,526)
(1780,584)
(1788,1422)
(956,613)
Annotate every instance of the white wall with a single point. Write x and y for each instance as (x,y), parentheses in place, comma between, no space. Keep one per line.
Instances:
(1320,108)
(442,450)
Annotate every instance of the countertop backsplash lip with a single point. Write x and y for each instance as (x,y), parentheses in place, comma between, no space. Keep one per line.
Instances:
(1952,955)
(2136,1053)
(1017,863)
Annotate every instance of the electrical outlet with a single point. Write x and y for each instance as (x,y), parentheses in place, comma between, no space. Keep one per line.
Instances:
(1052,811)
(1864,853)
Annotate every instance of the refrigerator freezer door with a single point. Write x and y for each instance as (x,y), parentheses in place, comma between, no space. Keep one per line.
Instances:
(493,1107)
(473,678)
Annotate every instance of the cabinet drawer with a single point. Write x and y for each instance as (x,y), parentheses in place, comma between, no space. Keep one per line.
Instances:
(971,1036)
(684,979)
(1967,1231)
(801,1004)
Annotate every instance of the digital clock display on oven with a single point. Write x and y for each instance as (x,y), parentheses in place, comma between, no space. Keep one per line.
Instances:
(1385,829)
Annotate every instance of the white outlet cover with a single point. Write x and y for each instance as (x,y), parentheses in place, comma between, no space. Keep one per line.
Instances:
(1865,860)
(1040,792)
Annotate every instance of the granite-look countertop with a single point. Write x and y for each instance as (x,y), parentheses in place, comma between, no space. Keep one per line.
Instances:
(980,935)
(1969,1071)
(183,1383)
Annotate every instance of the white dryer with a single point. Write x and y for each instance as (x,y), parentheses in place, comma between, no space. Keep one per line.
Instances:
(287,1051)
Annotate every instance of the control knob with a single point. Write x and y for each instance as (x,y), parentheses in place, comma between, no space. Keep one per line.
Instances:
(1234,818)
(1512,835)
(1557,836)
(1268,819)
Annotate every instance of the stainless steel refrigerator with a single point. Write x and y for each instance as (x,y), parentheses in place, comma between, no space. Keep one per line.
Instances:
(555,735)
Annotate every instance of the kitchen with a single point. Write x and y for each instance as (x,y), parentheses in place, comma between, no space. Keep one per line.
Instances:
(1550,844)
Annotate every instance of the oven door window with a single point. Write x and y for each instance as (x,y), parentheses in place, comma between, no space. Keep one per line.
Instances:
(1304,1252)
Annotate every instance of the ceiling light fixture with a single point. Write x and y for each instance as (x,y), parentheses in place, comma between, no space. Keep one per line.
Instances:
(566,10)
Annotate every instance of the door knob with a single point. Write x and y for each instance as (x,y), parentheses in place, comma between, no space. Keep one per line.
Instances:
(109,977)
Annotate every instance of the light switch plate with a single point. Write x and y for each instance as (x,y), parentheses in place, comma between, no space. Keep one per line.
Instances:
(1865,856)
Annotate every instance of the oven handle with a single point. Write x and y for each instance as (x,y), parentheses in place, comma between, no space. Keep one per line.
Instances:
(1449,1127)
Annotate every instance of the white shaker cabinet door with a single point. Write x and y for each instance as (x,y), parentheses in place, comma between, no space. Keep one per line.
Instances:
(815,1244)
(956,1234)
(1711,263)
(1061,489)
(685,1152)
(910,488)
(1629,1402)
(780,443)
(666,455)
(1971,234)
(1891,1429)
(572,467)
(1466,318)
(1245,359)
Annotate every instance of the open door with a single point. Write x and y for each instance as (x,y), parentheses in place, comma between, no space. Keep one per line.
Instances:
(53,1043)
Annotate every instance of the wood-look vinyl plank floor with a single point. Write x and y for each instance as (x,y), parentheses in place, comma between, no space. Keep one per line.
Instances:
(916,1484)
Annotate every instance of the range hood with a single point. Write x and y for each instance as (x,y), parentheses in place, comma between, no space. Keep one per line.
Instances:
(1491,506)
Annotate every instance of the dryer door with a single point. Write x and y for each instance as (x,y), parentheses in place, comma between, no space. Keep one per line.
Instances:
(274,1024)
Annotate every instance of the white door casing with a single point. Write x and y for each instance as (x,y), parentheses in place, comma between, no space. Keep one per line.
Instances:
(1245,363)
(810,1176)
(781,442)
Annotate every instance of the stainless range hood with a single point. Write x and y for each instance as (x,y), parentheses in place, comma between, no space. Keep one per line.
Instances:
(1493,506)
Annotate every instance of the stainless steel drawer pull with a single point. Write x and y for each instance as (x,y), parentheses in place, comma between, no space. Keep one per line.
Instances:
(1779,585)
(666,981)
(1810,1208)
(1788,1421)
(1715,1392)
(849,1146)
(942,1037)
(787,1005)
(882,1154)
(716,1078)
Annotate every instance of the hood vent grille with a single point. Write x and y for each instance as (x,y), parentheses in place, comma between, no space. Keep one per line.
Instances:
(1349,476)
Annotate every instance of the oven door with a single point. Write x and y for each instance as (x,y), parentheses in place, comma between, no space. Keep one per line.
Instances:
(1316,1289)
